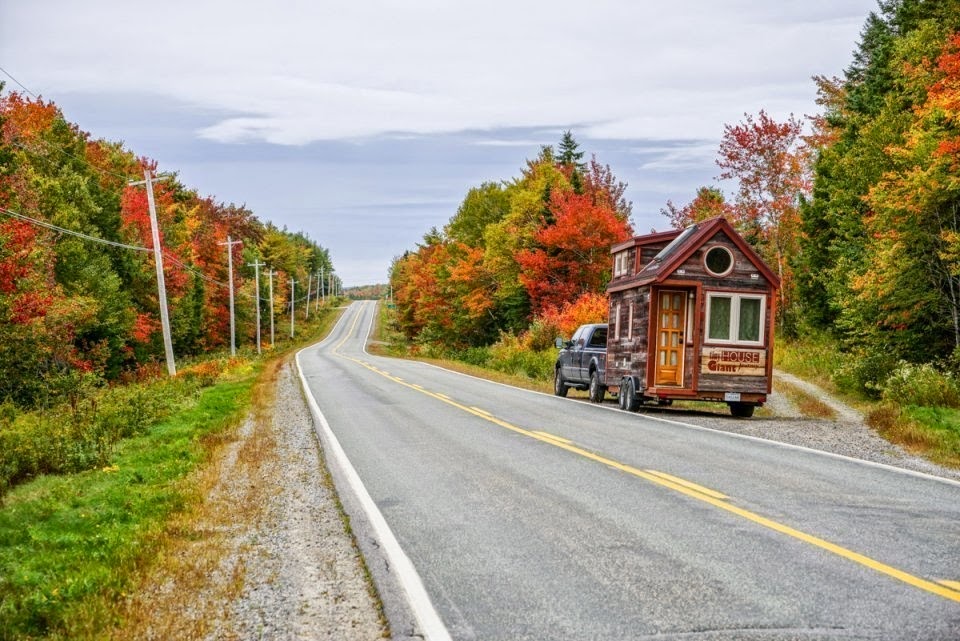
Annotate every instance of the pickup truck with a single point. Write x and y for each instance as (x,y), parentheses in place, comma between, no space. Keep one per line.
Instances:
(581,363)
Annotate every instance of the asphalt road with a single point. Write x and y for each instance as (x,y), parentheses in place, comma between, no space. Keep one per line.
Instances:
(533,517)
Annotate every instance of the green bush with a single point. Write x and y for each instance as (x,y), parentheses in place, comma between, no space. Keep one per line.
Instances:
(921,385)
(80,433)
(510,356)
(479,356)
(864,374)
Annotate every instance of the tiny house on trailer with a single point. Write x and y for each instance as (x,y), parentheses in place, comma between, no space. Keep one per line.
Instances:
(691,318)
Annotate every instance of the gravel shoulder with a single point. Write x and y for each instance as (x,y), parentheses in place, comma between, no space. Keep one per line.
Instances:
(303,578)
(266,553)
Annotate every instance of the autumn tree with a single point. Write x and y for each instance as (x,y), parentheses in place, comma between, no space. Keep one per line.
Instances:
(75,300)
(708,203)
(770,162)
(572,256)
(876,253)
(513,251)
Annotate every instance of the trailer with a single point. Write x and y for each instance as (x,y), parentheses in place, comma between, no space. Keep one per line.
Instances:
(691,318)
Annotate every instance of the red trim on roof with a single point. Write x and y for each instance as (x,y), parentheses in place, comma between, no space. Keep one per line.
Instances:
(646,239)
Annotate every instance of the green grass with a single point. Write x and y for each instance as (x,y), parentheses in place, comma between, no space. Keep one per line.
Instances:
(941,426)
(72,545)
(814,358)
(68,544)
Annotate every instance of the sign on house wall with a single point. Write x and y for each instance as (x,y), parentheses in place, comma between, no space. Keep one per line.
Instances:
(733,361)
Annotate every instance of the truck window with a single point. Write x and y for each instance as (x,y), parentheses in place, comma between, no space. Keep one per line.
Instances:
(599,338)
(577,339)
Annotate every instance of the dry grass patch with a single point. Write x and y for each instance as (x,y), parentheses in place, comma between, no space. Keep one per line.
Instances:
(807,404)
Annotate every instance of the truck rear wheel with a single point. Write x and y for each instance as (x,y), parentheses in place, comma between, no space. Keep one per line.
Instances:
(629,400)
(742,410)
(559,387)
(597,390)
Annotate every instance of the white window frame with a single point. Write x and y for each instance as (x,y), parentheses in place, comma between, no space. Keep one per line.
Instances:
(620,263)
(735,298)
(630,323)
(616,327)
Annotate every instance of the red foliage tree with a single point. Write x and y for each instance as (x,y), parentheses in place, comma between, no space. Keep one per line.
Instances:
(572,256)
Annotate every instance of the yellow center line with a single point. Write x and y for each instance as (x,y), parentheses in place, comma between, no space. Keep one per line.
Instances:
(686,488)
(553,437)
(953,585)
(692,486)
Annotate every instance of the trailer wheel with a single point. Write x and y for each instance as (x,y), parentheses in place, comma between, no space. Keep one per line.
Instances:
(597,391)
(629,401)
(559,387)
(742,410)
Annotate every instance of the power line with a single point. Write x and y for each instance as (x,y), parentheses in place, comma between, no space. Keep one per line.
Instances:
(51,226)
(22,86)
(104,241)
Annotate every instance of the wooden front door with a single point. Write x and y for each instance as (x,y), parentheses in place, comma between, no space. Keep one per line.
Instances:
(671,323)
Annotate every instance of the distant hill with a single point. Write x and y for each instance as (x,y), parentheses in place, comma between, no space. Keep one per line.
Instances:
(367,292)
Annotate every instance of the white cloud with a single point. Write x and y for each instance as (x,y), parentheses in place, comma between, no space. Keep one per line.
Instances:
(295,72)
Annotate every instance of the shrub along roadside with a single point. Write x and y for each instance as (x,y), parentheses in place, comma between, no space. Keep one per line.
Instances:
(916,406)
(72,545)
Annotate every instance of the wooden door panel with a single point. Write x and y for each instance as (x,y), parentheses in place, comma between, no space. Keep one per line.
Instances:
(671,322)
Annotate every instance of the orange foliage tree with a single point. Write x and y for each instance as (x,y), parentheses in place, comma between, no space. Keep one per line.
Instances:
(572,256)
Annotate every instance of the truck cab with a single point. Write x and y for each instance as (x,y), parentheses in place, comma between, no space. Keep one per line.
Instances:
(581,362)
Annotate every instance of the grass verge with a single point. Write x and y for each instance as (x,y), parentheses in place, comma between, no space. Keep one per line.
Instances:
(933,432)
(70,544)
(74,548)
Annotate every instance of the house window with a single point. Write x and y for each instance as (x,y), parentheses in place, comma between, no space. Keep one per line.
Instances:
(630,323)
(735,318)
(621,264)
(616,326)
(718,260)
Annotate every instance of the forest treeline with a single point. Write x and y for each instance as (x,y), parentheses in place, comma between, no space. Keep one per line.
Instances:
(855,208)
(84,303)
(530,249)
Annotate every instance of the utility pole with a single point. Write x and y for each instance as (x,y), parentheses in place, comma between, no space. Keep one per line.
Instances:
(293,315)
(233,325)
(270,274)
(158,262)
(306,311)
(323,293)
(316,299)
(256,264)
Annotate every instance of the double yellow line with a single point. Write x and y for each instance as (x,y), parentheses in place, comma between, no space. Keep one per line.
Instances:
(945,588)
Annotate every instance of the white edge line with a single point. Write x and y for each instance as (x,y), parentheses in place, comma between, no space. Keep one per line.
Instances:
(746,437)
(431,625)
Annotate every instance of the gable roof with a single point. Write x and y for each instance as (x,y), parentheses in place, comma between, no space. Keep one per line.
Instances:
(646,239)
(688,241)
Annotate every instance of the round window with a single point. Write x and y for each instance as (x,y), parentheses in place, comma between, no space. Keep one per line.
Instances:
(719,261)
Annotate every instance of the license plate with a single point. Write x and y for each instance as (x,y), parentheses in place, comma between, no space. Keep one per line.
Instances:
(731,397)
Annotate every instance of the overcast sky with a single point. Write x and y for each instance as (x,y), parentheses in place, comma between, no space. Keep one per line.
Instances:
(364,123)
